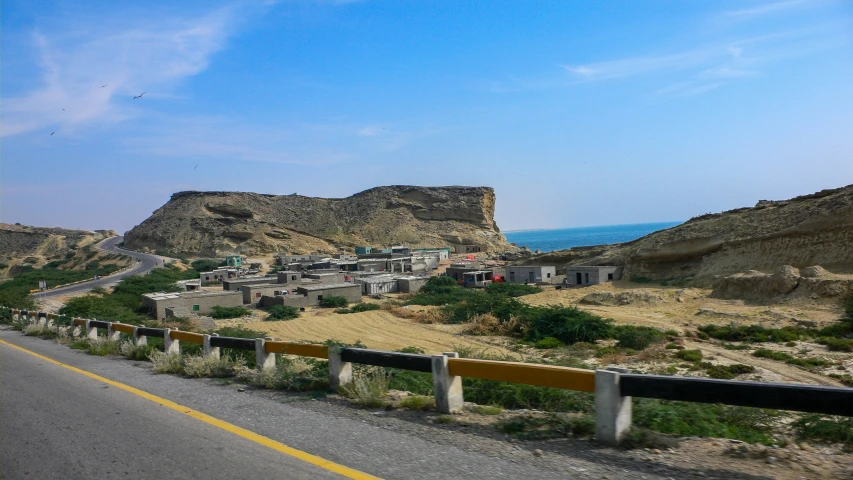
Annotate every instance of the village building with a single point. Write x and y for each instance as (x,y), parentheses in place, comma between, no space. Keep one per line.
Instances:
(236,284)
(593,275)
(199,303)
(363,250)
(324,278)
(218,275)
(457,270)
(530,274)
(234,261)
(443,253)
(309,296)
(253,293)
(477,278)
(401,249)
(190,285)
(378,284)
(288,276)
(411,284)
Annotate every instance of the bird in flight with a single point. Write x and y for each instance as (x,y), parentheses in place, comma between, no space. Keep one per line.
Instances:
(195,167)
(63,109)
(51,133)
(139,96)
(102,86)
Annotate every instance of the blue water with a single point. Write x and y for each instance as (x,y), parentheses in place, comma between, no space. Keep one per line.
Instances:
(563,238)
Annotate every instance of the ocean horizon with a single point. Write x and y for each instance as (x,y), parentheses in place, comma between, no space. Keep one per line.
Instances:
(548,240)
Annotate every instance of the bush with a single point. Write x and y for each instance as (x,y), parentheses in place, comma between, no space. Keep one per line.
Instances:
(283,312)
(418,402)
(334,302)
(767,353)
(532,427)
(549,342)
(133,351)
(754,333)
(689,355)
(221,313)
(368,389)
(205,264)
(704,420)
(501,307)
(511,289)
(102,346)
(837,344)
(166,362)
(365,307)
(439,291)
(211,366)
(674,346)
(727,372)
(637,338)
(567,324)
(825,429)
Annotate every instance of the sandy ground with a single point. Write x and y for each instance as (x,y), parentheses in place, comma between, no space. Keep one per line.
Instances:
(376,329)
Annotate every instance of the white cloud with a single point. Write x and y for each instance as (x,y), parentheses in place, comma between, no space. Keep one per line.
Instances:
(764,9)
(127,57)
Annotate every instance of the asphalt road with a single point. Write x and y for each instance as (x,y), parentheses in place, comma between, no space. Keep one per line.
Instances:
(145,263)
(57,423)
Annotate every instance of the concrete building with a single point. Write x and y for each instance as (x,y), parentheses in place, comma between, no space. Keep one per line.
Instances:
(190,285)
(363,250)
(378,284)
(311,296)
(253,293)
(288,276)
(199,303)
(530,274)
(236,284)
(591,275)
(345,257)
(477,278)
(218,275)
(234,261)
(325,278)
(401,249)
(411,284)
(457,270)
(443,253)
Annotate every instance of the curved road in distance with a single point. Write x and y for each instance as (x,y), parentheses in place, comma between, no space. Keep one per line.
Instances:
(144,264)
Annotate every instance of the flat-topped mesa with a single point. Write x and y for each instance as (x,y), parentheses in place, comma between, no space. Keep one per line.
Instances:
(216,223)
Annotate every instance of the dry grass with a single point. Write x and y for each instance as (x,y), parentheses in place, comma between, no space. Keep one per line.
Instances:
(369,387)
(377,329)
(427,316)
(613,359)
(487,324)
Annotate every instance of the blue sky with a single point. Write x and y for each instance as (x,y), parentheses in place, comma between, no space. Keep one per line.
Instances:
(577,113)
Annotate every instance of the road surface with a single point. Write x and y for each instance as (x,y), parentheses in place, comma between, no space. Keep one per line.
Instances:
(57,422)
(145,263)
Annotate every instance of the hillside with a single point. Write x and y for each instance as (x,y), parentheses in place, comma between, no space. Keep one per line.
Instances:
(815,229)
(216,223)
(23,246)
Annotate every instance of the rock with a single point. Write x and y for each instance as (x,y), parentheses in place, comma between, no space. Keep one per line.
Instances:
(656,451)
(757,285)
(771,460)
(813,272)
(537,453)
(807,323)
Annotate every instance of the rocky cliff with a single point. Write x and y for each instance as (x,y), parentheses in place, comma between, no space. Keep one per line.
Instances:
(217,223)
(815,229)
(35,246)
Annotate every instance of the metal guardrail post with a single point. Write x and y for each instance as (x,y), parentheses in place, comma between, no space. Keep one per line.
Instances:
(612,410)
(448,388)
(340,372)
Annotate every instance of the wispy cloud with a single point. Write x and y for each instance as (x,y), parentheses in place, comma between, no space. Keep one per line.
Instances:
(764,9)
(92,76)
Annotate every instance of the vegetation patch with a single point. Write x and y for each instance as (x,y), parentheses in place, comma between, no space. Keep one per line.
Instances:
(221,313)
(553,425)
(637,338)
(689,355)
(334,301)
(549,342)
(418,402)
(825,428)
(283,312)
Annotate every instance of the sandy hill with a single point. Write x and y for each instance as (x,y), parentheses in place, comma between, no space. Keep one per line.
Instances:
(35,246)
(216,223)
(815,229)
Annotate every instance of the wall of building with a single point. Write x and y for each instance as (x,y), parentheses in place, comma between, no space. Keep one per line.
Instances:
(236,284)
(205,303)
(289,276)
(411,285)
(253,293)
(530,274)
(591,275)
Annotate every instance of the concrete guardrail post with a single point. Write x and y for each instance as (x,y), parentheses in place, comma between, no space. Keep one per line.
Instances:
(34,318)
(208,349)
(170,345)
(263,359)
(75,330)
(113,335)
(139,339)
(448,388)
(612,410)
(340,372)
(39,317)
(91,332)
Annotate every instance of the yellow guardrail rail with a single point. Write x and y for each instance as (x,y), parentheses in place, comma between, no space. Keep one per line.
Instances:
(79,322)
(187,336)
(301,349)
(527,373)
(123,328)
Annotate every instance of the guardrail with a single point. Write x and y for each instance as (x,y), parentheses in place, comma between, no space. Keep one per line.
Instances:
(613,389)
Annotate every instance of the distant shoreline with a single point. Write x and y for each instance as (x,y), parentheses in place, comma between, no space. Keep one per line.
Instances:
(591,226)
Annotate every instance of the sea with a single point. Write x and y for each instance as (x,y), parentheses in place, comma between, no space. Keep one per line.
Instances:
(565,238)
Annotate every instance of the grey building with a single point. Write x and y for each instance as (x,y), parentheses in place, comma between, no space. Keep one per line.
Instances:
(378,284)
(289,276)
(457,270)
(253,293)
(530,274)
(311,296)
(411,284)
(401,250)
(198,303)
(236,284)
(593,275)
(326,278)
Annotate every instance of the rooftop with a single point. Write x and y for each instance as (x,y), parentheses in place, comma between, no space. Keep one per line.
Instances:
(195,294)
(327,287)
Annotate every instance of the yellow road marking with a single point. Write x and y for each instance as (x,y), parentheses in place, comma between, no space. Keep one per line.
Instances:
(242,432)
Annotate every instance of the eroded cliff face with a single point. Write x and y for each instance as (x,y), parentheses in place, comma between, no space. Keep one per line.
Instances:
(815,229)
(35,246)
(216,223)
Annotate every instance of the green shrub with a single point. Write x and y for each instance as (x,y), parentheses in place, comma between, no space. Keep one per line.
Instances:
(220,313)
(166,362)
(283,312)
(479,303)
(511,289)
(211,366)
(369,388)
(102,347)
(727,372)
(704,420)
(837,344)
(365,307)
(674,346)
(343,311)
(671,333)
(567,324)
(131,350)
(689,355)
(549,342)
(417,402)
(552,425)
(637,338)
(334,302)
(754,333)
(205,264)
(825,428)
(767,353)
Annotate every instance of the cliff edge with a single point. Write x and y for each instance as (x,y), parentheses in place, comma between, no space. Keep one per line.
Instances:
(217,223)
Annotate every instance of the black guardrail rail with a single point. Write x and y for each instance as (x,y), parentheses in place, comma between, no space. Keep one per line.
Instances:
(25,313)
(231,342)
(800,398)
(150,332)
(41,315)
(403,361)
(99,324)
